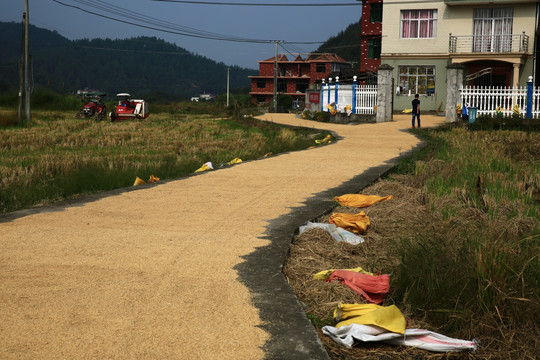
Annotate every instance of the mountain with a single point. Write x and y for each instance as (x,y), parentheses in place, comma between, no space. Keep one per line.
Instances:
(141,66)
(346,43)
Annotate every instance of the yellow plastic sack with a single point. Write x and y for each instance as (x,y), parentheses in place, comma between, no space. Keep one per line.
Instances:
(327,139)
(407,111)
(325,274)
(153,179)
(138,181)
(360,200)
(386,317)
(234,161)
(205,167)
(356,223)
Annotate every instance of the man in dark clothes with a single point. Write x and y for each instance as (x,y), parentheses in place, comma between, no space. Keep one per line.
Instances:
(416,110)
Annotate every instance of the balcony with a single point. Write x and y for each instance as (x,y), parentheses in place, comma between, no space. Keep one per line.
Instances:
(467,44)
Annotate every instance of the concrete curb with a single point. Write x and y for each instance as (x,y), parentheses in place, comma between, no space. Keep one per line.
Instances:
(293,337)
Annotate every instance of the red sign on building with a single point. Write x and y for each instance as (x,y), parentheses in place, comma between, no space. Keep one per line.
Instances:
(314,97)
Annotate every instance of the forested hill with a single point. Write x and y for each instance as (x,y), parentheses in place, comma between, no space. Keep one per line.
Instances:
(346,44)
(143,66)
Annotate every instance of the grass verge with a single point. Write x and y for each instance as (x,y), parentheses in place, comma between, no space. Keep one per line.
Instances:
(57,157)
(461,239)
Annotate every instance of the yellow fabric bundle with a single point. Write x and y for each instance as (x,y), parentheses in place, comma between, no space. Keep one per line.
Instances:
(234,161)
(360,200)
(138,181)
(356,223)
(386,317)
(327,139)
(325,274)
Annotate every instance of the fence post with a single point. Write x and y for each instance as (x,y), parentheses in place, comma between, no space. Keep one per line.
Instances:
(529,97)
(336,92)
(384,93)
(322,95)
(354,85)
(329,82)
(454,84)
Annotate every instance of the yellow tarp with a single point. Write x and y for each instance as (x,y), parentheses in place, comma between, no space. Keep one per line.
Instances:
(386,317)
(326,140)
(234,161)
(325,274)
(360,200)
(138,181)
(356,223)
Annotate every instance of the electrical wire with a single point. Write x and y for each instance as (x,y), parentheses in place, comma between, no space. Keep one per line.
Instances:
(160,25)
(258,4)
(135,51)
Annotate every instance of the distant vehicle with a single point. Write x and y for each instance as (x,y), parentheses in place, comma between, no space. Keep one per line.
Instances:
(94,107)
(128,108)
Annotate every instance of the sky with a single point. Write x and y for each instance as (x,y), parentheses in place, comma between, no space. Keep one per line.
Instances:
(296,25)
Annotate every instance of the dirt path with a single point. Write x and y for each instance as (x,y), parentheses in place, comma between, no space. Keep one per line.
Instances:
(167,271)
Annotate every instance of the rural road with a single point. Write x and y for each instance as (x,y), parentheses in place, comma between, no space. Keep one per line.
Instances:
(182,269)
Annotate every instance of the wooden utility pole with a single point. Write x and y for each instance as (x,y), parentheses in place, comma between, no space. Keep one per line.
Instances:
(21,73)
(227,87)
(26,65)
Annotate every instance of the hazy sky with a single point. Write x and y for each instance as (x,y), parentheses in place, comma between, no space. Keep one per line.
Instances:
(288,23)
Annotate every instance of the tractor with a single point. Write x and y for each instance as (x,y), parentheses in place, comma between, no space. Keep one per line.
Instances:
(94,106)
(128,108)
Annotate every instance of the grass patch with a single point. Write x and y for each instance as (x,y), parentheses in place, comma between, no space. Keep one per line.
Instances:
(461,239)
(57,156)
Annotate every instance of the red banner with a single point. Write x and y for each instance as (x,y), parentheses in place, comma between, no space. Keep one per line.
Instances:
(314,98)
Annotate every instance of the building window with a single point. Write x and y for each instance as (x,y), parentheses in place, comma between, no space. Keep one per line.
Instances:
(282,85)
(418,24)
(374,48)
(261,99)
(261,83)
(301,86)
(375,12)
(492,29)
(417,80)
(320,68)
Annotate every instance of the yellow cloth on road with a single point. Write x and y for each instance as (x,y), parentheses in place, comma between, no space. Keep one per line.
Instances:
(356,223)
(327,139)
(360,200)
(386,317)
(325,274)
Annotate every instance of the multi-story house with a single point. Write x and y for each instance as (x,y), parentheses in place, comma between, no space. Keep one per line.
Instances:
(371,36)
(493,40)
(293,76)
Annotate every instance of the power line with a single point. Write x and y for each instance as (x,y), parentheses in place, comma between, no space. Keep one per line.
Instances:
(160,25)
(136,51)
(258,4)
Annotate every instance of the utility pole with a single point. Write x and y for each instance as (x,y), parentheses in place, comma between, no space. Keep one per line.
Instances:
(21,73)
(275,78)
(228,87)
(26,66)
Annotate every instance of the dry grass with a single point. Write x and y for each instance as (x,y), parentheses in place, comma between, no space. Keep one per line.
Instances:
(58,156)
(463,257)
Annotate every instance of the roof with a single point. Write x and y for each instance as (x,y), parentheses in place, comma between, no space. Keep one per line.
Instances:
(327,57)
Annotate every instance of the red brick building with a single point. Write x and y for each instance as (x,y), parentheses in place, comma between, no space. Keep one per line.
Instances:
(371,36)
(294,76)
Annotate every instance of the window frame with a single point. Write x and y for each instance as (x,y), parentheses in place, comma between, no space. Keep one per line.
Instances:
(259,82)
(430,23)
(422,77)
(374,49)
(318,67)
(375,12)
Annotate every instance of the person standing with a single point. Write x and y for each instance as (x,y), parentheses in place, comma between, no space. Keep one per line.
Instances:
(416,110)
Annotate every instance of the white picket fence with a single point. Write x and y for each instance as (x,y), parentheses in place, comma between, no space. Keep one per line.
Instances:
(487,99)
(366,98)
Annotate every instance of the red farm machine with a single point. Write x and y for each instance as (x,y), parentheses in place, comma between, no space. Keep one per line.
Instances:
(128,108)
(93,106)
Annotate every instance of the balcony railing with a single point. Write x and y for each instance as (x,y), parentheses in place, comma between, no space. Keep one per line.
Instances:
(511,43)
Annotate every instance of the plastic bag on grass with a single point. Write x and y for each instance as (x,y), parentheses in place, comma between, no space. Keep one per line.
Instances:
(419,338)
(338,234)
